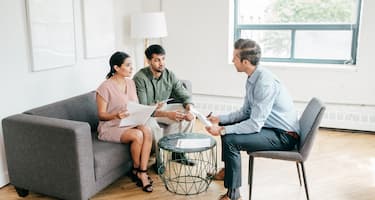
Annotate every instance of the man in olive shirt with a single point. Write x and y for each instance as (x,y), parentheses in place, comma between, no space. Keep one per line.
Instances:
(155,85)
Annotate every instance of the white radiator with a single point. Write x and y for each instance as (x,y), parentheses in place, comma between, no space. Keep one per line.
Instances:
(352,117)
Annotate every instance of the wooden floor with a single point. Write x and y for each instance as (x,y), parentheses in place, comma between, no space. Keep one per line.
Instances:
(340,167)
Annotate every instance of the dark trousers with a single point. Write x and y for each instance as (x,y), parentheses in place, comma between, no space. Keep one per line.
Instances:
(232,144)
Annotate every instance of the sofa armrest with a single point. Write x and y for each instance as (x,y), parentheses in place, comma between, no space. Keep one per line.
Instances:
(49,153)
(188,86)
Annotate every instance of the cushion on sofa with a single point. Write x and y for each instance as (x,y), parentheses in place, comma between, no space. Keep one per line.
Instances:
(78,108)
(108,156)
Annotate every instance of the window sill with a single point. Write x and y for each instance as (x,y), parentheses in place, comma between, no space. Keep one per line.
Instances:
(304,66)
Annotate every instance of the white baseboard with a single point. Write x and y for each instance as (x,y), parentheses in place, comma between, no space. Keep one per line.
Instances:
(4,179)
(352,117)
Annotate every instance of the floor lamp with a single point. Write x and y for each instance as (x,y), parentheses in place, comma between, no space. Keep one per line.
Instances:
(148,25)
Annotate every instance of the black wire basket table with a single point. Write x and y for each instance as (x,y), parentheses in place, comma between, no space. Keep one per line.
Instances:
(199,150)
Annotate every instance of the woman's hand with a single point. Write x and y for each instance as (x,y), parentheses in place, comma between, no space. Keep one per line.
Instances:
(122,114)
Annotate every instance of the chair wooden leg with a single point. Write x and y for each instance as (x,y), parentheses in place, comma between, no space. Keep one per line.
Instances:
(299,174)
(305,181)
(250,180)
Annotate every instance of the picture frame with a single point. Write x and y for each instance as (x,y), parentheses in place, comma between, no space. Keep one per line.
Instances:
(52,33)
(99,31)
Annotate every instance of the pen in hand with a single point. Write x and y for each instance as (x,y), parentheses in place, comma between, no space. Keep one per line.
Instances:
(209,115)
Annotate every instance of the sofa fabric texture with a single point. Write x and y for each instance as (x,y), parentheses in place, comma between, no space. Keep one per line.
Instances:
(80,108)
(54,150)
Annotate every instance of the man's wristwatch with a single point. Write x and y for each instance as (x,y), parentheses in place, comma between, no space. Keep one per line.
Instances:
(222,131)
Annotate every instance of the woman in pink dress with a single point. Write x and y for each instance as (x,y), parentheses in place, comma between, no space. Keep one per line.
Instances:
(112,96)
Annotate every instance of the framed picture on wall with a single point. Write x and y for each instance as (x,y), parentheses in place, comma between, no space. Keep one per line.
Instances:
(98,24)
(51,28)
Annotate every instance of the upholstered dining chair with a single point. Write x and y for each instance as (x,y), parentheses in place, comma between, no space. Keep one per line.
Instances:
(309,124)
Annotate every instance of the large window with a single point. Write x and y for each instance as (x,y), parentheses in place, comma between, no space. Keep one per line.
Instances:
(309,31)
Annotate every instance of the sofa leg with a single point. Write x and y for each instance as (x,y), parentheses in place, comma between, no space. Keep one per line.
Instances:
(21,192)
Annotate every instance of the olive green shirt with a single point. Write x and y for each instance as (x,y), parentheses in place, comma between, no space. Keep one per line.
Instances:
(151,90)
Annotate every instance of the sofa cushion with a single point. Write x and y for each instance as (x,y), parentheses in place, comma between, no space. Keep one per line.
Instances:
(108,156)
(79,108)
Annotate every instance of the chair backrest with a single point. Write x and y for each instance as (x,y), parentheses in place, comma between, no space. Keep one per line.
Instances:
(309,124)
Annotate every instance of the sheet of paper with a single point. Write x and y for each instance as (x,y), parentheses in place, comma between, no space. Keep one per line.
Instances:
(201,117)
(138,114)
(193,143)
(167,100)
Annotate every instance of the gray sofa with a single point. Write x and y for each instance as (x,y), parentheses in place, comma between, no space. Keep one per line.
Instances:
(54,150)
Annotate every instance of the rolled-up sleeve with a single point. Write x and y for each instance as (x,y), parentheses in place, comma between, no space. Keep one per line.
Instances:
(237,116)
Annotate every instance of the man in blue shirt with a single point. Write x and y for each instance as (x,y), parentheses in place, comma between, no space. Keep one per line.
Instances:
(267,120)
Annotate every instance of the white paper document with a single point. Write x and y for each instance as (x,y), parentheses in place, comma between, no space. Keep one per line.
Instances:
(193,143)
(167,100)
(138,114)
(201,117)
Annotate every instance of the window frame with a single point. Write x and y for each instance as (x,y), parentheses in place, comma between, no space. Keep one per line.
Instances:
(354,28)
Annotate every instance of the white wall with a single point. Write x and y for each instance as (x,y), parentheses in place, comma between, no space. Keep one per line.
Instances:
(198,42)
(23,89)
(197,45)
(197,49)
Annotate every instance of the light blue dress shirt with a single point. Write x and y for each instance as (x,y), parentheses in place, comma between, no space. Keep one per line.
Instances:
(266,104)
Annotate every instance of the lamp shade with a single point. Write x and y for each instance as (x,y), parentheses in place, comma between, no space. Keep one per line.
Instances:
(148,25)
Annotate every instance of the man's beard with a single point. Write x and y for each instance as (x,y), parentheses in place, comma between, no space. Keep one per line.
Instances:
(159,70)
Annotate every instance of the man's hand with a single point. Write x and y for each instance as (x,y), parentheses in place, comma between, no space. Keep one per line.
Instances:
(214,119)
(159,105)
(189,116)
(176,115)
(214,129)
(188,107)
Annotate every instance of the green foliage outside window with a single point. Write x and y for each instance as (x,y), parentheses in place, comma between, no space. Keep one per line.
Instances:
(312,11)
(265,23)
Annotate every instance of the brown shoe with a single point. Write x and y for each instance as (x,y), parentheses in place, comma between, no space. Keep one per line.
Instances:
(225,197)
(219,176)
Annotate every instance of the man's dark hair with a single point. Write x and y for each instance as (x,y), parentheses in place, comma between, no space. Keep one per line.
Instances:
(154,49)
(249,50)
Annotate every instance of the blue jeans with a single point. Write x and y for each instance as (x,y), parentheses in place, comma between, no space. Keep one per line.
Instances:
(232,144)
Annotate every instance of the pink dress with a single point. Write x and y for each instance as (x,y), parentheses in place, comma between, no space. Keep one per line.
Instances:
(116,101)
